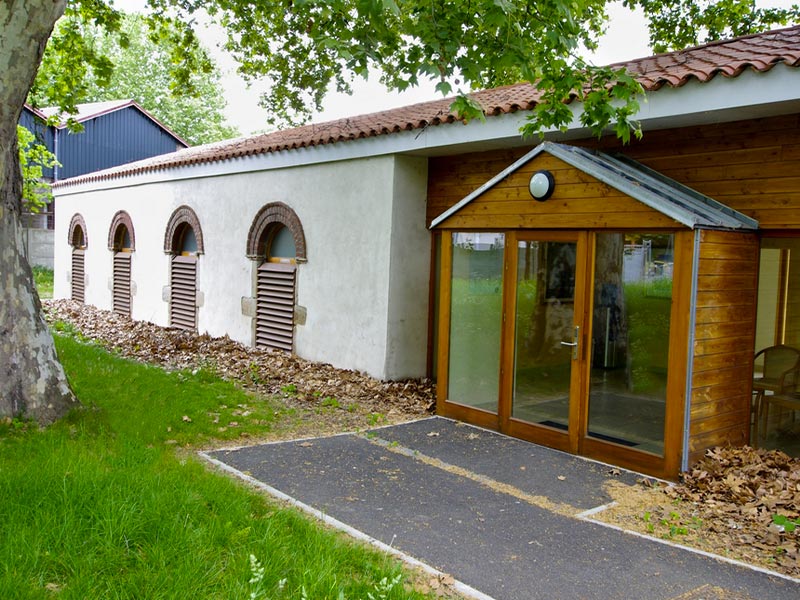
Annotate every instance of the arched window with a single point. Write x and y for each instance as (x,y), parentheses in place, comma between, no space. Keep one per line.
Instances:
(121,243)
(277,243)
(183,240)
(78,239)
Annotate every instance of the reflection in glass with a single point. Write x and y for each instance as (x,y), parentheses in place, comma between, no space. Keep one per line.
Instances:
(778,323)
(630,339)
(476,319)
(542,364)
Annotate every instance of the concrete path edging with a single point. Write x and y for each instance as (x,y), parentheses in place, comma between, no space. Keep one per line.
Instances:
(459,586)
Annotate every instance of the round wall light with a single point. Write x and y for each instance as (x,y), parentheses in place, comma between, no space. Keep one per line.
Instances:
(542,185)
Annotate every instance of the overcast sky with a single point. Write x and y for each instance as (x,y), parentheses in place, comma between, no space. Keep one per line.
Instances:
(625,39)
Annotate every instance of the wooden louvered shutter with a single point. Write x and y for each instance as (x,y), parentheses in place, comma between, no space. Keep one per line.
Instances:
(78,275)
(122,283)
(275,306)
(182,308)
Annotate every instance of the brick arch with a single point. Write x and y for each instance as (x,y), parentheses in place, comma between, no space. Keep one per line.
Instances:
(76,222)
(182,215)
(276,212)
(121,218)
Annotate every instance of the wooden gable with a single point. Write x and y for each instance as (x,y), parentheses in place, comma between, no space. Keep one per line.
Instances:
(593,191)
(579,201)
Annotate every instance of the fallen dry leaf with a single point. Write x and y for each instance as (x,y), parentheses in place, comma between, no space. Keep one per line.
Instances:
(261,371)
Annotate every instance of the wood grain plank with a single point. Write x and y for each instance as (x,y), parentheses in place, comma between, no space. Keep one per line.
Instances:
(733,282)
(725,298)
(738,359)
(727,267)
(706,331)
(562,221)
(718,345)
(720,376)
(722,391)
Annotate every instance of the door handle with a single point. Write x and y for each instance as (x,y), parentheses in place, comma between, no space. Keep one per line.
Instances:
(575,342)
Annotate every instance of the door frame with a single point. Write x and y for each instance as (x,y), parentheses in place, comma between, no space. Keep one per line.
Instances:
(576,441)
(568,441)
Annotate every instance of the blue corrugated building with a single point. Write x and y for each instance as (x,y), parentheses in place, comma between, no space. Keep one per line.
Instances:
(114,133)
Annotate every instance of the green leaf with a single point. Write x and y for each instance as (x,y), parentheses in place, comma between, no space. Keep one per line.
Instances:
(467,109)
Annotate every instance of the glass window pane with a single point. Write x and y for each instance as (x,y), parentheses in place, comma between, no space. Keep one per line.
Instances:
(545,318)
(475,319)
(188,241)
(282,244)
(778,323)
(630,339)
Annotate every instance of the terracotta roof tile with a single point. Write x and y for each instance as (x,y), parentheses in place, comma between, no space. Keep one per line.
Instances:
(728,58)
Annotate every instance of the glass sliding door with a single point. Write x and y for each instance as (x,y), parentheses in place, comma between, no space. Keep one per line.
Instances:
(545,335)
(476,303)
(562,338)
(630,339)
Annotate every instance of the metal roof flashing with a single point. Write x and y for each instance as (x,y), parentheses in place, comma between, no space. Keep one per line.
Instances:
(667,196)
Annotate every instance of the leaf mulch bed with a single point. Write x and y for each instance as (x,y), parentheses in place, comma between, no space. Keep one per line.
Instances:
(350,400)
(725,505)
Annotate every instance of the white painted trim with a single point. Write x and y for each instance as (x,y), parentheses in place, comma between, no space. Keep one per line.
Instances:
(459,586)
(723,99)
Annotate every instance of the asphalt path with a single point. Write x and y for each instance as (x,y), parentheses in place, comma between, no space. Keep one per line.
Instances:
(495,513)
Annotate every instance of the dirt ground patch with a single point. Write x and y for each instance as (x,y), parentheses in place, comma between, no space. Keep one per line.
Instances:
(737,502)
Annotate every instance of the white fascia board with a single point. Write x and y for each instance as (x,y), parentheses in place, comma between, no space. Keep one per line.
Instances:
(750,95)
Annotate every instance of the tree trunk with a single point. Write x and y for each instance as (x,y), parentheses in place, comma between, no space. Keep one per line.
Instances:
(32,382)
(610,321)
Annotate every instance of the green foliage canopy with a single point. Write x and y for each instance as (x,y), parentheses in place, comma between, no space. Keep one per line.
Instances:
(34,157)
(307,47)
(678,24)
(137,64)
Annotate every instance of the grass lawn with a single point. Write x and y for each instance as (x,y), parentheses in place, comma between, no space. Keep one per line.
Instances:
(111,503)
(43,278)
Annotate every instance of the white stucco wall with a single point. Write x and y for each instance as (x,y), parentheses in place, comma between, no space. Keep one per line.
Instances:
(364,287)
(409,269)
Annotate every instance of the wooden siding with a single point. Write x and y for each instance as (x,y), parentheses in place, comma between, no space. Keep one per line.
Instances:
(579,200)
(752,166)
(723,343)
